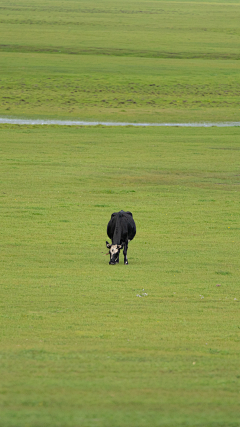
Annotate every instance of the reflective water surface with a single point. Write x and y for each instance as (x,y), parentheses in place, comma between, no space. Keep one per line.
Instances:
(86,123)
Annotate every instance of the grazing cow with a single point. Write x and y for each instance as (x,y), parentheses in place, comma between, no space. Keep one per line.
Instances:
(121,229)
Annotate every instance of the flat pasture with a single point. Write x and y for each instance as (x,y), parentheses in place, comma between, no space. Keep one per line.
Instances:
(155,61)
(145,28)
(154,343)
(41,85)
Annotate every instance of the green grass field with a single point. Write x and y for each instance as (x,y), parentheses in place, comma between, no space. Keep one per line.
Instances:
(154,343)
(153,61)
(78,346)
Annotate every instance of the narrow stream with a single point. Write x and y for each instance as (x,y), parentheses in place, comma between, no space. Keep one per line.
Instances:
(87,123)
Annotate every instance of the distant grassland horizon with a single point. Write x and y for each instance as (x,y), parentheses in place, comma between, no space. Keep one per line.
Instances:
(134,61)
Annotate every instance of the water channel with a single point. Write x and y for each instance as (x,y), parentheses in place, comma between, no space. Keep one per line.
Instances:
(96,123)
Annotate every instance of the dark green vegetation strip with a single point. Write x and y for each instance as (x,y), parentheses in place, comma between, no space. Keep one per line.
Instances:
(155,343)
(118,52)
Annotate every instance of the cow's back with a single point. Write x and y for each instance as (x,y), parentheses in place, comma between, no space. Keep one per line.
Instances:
(127,217)
(121,226)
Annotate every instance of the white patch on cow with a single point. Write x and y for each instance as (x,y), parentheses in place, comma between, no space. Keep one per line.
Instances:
(114,249)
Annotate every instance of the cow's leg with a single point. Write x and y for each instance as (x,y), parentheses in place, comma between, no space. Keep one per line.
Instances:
(125,252)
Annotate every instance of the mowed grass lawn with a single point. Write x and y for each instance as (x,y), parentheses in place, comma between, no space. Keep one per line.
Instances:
(154,343)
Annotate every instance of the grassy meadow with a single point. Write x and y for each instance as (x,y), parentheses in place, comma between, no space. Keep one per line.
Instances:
(154,343)
(155,61)
(79,347)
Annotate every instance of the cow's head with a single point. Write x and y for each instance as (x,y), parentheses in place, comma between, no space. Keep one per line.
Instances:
(114,251)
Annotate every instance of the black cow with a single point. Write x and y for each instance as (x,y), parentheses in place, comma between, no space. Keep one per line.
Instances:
(121,229)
